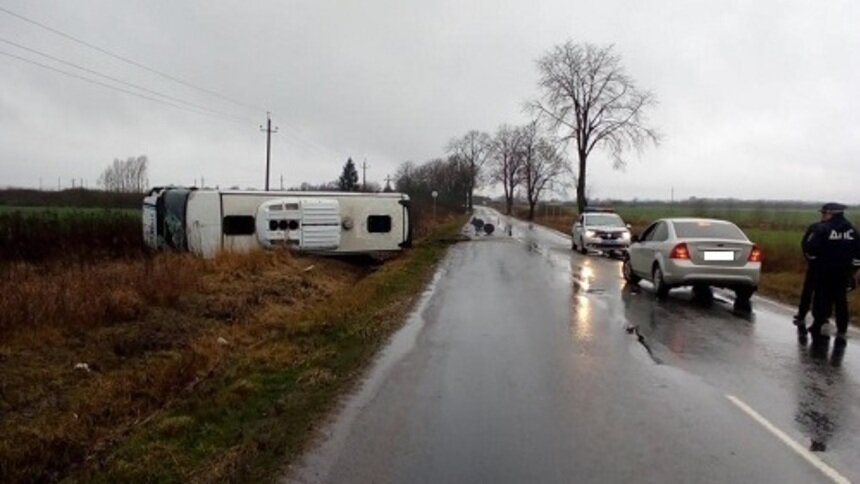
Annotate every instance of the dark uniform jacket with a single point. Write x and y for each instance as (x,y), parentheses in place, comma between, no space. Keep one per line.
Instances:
(834,245)
(804,243)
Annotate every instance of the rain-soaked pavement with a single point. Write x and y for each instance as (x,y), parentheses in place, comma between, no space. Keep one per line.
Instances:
(525,362)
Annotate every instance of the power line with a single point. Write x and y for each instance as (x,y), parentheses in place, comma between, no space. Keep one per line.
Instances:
(313,147)
(120,81)
(310,143)
(129,61)
(149,69)
(115,88)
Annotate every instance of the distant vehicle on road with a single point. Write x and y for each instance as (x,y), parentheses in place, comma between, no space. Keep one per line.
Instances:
(697,252)
(600,230)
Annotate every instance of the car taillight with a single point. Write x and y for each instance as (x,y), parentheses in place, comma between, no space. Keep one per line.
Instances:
(756,255)
(680,252)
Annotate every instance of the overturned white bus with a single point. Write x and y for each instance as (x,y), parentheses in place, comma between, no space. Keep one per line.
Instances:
(205,221)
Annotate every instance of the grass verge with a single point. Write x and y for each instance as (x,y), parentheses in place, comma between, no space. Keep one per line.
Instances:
(280,373)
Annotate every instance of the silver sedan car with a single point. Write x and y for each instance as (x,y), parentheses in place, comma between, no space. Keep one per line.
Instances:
(697,252)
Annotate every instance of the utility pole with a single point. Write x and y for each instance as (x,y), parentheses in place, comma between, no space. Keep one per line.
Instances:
(268,129)
(282,182)
(388,184)
(202,182)
(40,184)
(364,175)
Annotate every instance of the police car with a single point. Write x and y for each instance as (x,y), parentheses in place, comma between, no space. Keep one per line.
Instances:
(600,229)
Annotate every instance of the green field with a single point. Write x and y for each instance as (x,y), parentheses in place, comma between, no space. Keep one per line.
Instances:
(777,231)
(33,234)
(68,211)
(743,217)
(640,215)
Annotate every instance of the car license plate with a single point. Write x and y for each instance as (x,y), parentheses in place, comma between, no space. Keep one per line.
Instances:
(719,255)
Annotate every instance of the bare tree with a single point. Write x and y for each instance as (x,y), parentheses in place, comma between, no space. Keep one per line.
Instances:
(587,96)
(506,158)
(542,164)
(473,149)
(129,176)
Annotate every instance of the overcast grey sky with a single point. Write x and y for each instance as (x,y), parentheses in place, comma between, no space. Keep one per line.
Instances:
(758,99)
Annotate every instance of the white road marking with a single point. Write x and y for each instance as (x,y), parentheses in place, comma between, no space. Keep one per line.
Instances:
(813,459)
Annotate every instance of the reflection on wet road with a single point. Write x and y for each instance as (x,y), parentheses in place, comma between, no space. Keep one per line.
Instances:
(526,362)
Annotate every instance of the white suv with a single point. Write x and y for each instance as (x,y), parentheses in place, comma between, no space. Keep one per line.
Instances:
(600,230)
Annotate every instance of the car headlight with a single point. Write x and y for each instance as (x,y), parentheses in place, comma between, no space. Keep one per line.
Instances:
(590,233)
(625,235)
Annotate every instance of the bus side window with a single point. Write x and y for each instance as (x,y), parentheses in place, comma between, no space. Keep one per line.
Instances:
(238,225)
(379,224)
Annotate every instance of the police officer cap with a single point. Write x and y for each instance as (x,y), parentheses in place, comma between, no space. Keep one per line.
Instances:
(832,208)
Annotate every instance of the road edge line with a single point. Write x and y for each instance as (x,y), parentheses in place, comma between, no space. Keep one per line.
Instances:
(813,459)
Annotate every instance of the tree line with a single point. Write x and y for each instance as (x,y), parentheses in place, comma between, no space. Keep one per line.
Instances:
(586,102)
(520,158)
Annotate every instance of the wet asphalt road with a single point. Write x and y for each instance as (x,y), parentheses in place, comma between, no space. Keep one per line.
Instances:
(525,362)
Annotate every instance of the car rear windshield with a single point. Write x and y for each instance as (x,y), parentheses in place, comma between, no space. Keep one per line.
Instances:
(604,220)
(708,230)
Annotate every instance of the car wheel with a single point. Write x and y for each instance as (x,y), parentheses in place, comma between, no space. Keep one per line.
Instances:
(629,275)
(743,295)
(660,286)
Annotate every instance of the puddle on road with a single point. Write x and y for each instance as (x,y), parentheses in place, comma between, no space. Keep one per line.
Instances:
(823,399)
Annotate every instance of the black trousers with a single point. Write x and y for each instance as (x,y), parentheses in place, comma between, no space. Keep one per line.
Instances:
(806,296)
(830,294)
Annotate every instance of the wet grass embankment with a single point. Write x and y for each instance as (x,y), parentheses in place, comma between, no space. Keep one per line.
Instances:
(172,368)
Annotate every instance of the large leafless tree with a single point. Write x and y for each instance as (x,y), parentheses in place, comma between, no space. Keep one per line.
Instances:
(473,149)
(589,99)
(506,158)
(541,164)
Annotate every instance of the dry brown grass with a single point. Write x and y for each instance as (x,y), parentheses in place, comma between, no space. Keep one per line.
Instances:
(287,363)
(149,331)
(76,296)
